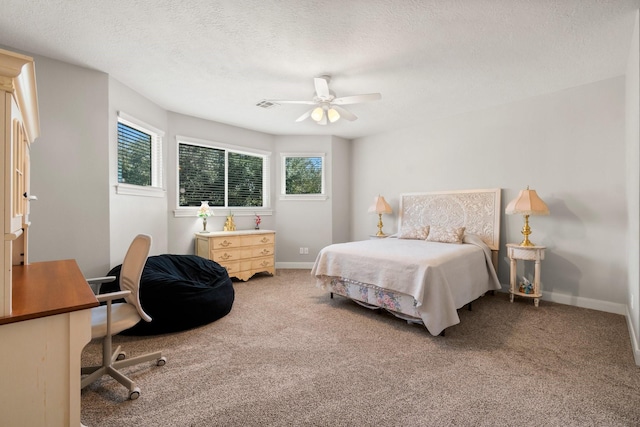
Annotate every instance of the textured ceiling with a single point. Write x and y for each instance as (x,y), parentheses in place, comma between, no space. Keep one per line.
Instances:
(429,58)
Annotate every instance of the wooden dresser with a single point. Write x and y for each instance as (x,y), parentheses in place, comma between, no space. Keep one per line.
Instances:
(243,253)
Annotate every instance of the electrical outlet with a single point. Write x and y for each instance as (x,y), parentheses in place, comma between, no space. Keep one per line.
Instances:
(301,251)
(306,251)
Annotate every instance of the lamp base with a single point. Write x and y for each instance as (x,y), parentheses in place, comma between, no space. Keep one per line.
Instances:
(204,225)
(526,231)
(380,233)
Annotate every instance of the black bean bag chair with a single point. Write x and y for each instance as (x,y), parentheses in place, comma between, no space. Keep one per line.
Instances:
(179,292)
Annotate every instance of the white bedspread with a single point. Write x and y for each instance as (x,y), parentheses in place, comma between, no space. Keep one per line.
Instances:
(441,277)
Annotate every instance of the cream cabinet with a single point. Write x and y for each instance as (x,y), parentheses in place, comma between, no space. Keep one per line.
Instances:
(19,126)
(243,253)
(45,317)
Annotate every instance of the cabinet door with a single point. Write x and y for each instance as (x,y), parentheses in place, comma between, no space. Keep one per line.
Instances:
(16,173)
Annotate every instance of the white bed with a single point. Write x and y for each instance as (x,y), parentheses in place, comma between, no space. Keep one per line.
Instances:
(418,280)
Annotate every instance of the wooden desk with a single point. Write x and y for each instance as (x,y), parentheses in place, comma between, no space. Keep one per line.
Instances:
(41,342)
(47,288)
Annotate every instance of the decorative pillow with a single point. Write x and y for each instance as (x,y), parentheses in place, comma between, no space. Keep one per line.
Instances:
(445,234)
(418,233)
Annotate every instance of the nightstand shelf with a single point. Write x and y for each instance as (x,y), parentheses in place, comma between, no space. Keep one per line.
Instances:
(525,253)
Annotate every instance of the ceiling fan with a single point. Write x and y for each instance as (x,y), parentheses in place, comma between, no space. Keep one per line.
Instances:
(326,106)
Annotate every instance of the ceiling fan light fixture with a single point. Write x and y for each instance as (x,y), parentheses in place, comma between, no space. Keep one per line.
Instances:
(333,115)
(317,114)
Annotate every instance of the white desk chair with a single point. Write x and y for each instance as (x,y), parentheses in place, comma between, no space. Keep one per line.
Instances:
(113,318)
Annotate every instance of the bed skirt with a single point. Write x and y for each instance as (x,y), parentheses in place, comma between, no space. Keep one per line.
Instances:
(401,305)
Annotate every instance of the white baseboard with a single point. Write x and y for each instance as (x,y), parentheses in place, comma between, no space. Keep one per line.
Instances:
(594,304)
(635,347)
(295,265)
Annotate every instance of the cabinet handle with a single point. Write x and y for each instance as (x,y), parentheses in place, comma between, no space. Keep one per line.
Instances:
(264,240)
(266,252)
(264,263)
(225,244)
(225,256)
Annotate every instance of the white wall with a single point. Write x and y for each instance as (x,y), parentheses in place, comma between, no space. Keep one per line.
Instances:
(633,188)
(341,189)
(182,229)
(70,168)
(131,215)
(567,145)
(306,224)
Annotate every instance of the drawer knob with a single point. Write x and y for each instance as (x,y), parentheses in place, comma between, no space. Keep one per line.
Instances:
(264,263)
(225,256)
(225,244)
(264,240)
(266,252)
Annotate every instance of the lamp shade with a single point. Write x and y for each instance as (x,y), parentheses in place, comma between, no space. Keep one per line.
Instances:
(380,206)
(527,203)
(203,210)
(333,115)
(317,114)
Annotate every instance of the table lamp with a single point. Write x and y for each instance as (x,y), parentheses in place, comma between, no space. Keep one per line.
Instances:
(527,203)
(380,206)
(204,212)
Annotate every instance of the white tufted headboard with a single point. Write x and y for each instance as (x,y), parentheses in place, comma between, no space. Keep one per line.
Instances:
(476,210)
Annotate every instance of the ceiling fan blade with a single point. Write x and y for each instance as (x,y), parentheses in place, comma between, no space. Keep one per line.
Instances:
(304,116)
(322,87)
(285,101)
(344,113)
(355,99)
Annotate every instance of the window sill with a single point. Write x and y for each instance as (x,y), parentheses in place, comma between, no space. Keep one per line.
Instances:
(303,197)
(222,212)
(138,190)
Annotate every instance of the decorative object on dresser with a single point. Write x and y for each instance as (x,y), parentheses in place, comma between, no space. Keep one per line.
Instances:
(419,280)
(527,203)
(525,253)
(380,206)
(229,225)
(243,253)
(258,220)
(204,212)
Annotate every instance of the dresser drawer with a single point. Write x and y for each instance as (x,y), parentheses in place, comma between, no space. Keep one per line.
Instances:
(260,239)
(224,255)
(226,242)
(259,263)
(231,266)
(262,251)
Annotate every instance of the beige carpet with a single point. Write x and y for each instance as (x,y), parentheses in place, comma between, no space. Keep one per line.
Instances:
(288,355)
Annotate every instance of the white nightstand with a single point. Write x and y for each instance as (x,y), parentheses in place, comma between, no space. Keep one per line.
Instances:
(516,252)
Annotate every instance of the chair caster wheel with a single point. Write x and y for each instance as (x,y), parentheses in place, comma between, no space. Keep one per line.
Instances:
(162,361)
(135,393)
(121,356)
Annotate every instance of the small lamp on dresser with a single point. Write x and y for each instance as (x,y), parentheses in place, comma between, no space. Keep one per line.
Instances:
(380,206)
(204,212)
(527,203)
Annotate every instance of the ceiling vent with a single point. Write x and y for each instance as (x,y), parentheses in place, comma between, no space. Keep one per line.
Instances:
(266,104)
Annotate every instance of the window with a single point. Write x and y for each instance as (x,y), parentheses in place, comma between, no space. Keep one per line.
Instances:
(139,157)
(302,176)
(225,176)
